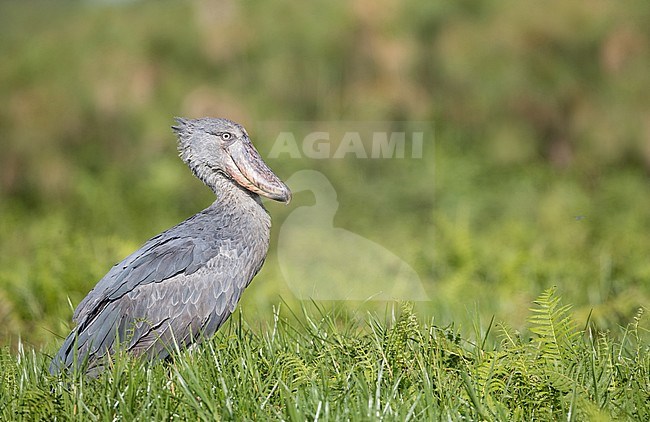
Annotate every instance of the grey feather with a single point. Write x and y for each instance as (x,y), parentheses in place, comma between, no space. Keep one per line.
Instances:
(183,284)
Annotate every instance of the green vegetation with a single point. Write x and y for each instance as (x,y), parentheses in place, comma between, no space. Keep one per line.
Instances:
(338,364)
(534,174)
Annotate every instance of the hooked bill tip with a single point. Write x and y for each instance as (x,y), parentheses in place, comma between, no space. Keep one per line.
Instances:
(284,196)
(287,198)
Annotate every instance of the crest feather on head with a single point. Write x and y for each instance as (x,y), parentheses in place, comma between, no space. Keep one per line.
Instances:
(181,125)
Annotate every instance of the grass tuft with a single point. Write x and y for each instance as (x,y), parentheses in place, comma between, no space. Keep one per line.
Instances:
(323,365)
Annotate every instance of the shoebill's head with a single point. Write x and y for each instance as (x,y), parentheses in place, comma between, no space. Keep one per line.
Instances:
(214,148)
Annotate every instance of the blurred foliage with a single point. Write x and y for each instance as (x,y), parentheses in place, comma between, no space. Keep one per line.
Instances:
(538,175)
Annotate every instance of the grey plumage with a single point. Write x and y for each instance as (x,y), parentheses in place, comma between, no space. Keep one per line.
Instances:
(181,285)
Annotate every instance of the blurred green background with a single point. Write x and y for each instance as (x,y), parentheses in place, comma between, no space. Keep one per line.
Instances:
(538,173)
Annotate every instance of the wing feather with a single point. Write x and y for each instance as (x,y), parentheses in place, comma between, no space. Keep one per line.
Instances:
(180,285)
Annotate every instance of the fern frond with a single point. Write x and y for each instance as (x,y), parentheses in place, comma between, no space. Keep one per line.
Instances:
(554,328)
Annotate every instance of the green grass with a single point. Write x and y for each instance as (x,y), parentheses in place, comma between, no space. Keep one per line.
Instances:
(340,364)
